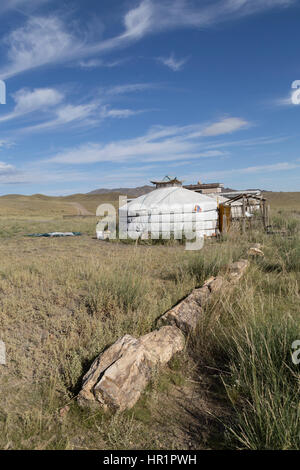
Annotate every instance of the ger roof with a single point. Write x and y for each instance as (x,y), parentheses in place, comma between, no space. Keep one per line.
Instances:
(169,199)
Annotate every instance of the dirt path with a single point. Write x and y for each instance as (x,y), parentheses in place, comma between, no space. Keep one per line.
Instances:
(81,210)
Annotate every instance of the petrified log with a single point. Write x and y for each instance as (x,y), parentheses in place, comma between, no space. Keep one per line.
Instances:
(2,353)
(187,313)
(255,251)
(237,270)
(118,376)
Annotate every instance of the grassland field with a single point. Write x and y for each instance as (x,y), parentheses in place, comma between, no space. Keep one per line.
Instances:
(63,300)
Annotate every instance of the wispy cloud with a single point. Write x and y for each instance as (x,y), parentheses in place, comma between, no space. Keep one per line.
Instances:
(47,108)
(129,88)
(95,63)
(226,126)
(5,168)
(159,144)
(173,63)
(257,141)
(29,101)
(182,13)
(47,40)
(293,99)
(112,178)
(6,144)
(82,115)
(41,41)
(33,175)
(281,166)
(120,113)
(28,5)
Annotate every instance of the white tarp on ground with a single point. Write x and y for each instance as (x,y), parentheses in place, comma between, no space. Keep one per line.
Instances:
(170,210)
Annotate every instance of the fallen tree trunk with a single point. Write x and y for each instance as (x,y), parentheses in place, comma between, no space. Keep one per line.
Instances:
(118,376)
(187,313)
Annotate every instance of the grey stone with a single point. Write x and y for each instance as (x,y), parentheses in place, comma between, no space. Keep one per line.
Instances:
(118,376)
(237,270)
(2,353)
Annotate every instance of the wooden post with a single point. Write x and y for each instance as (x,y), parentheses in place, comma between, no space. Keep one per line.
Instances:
(268,215)
(250,208)
(264,215)
(261,208)
(224,225)
(244,215)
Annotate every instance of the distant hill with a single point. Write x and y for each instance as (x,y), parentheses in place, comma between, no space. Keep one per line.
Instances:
(135,192)
(30,207)
(132,192)
(227,190)
(230,190)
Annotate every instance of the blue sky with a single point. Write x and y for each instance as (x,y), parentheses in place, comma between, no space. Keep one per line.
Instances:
(113,93)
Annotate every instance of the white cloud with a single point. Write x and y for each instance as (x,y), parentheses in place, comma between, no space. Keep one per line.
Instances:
(5,168)
(287,100)
(83,115)
(184,13)
(47,40)
(129,88)
(71,113)
(281,166)
(226,126)
(139,20)
(16,4)
(159,144)
(55,114)
(32,175)
(89,114)
(91,64)
(35,174)
(119,113)
(94,63)
(173,63)
(42,40)
(6,143)
(155,15)
(28,101)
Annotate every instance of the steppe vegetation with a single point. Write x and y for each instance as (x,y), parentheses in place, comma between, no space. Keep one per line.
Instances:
(62,301)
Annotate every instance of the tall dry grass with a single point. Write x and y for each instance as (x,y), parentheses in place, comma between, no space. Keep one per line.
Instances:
(62,301)
(247,337)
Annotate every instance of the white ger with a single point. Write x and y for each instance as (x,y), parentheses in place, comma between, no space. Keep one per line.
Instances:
(172,210)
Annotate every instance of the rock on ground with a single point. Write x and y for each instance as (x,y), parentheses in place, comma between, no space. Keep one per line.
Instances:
(187,313)
(2,353)
(237,270)
(118,376)
(255,251)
